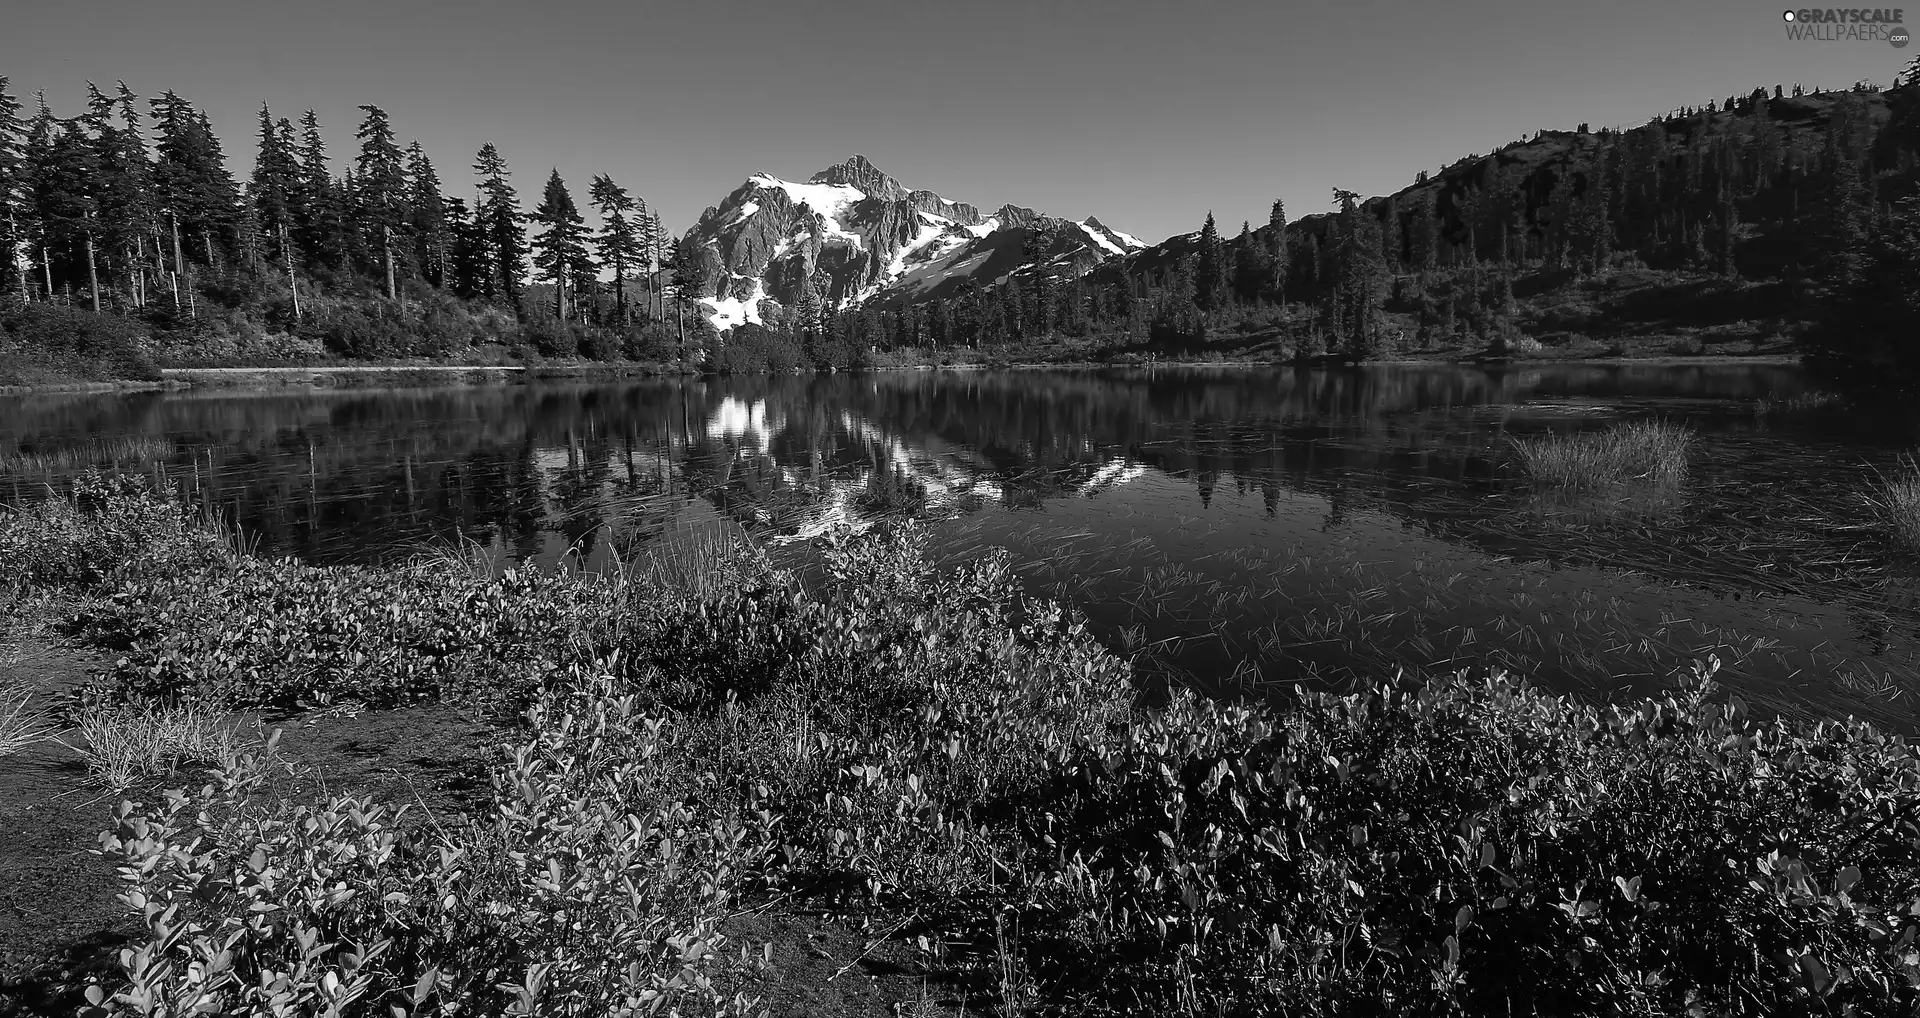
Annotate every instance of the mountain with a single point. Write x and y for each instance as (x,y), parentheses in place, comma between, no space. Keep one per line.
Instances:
(855,234)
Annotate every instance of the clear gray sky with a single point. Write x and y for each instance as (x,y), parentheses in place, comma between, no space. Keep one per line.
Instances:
(1146,114)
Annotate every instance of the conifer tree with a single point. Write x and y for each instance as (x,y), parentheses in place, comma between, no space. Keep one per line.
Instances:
(13,240)
(275,169)
(471,274)
(316,200)
(427,216)
(498,211)
(1277,251)
(382,191)
(1249,269)
(561,244)
(619,241)
(1210,272)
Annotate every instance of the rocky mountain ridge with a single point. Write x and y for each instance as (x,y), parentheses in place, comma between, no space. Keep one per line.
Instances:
(852,234)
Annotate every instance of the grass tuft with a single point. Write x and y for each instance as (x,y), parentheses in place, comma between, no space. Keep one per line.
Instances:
(1899,502)
(22,723)
(124,745)
(1652,451)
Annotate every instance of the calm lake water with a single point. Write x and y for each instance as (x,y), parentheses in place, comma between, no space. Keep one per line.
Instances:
(1236,528)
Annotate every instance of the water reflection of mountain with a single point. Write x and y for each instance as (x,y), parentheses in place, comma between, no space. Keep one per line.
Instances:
(342,475)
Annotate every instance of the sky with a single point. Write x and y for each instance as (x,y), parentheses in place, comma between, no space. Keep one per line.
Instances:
(1145,114)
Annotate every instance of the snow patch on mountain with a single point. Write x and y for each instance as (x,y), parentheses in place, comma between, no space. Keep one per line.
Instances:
(731,311)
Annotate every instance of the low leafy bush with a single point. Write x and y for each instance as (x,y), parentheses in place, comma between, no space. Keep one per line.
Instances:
(41,342)
(109,527)
(754,349)
(931,750)
(283,634)
(1651,451)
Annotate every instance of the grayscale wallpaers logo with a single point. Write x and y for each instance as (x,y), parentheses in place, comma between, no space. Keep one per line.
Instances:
(1848,24)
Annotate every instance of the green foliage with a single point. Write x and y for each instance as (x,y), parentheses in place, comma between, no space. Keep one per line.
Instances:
(41,342)
(754,349)
(927,747)
(111,529)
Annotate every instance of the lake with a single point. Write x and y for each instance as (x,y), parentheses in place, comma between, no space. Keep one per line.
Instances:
(1237,529)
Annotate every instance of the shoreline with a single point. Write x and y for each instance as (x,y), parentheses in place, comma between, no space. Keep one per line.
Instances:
(321,376)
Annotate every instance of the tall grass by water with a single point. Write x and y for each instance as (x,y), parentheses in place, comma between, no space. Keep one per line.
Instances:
(1654,452)
(121,452)
(1898,500)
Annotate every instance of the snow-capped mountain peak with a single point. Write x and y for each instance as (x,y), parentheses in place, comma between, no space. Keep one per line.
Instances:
(852,233)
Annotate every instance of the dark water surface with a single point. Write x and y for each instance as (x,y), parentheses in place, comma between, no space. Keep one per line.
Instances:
(1237,527)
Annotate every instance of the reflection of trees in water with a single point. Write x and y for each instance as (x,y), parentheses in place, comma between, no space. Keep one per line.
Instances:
(340,474)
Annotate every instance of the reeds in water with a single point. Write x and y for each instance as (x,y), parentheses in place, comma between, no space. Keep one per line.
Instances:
(1651,451)
(124,451)
(1899,502)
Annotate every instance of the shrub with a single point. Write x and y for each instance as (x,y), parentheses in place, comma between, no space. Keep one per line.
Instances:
(42,341)
(752,349)
(110,528)
(1653,451)
(925,747)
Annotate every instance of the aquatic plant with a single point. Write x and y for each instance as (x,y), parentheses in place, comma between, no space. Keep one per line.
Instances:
(1898,500)
(118,452)
(1650,451)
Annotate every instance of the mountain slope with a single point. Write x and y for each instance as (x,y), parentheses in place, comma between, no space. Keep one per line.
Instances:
(852,234)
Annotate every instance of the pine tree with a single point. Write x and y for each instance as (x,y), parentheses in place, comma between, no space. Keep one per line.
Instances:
(276,173)
(382,191)
(1277,251)
(619,241)
(472,275)
(498,211)
(317,215)
(561,244)
(1210,272)
(61,168)
(427,217)
(13,239)
(690,283)
(1249,270)
(121,185)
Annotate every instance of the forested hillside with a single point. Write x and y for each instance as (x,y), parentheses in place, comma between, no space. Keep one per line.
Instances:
(1771,218)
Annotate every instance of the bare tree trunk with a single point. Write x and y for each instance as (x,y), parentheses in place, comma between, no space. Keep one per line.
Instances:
(286,254)
(46,270)
(93,274)
(560,296)
(386,252)
(13,256)
(207,235)
(179,259)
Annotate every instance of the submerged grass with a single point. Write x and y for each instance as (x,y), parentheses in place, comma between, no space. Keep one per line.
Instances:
(1650,451)
(931,752)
